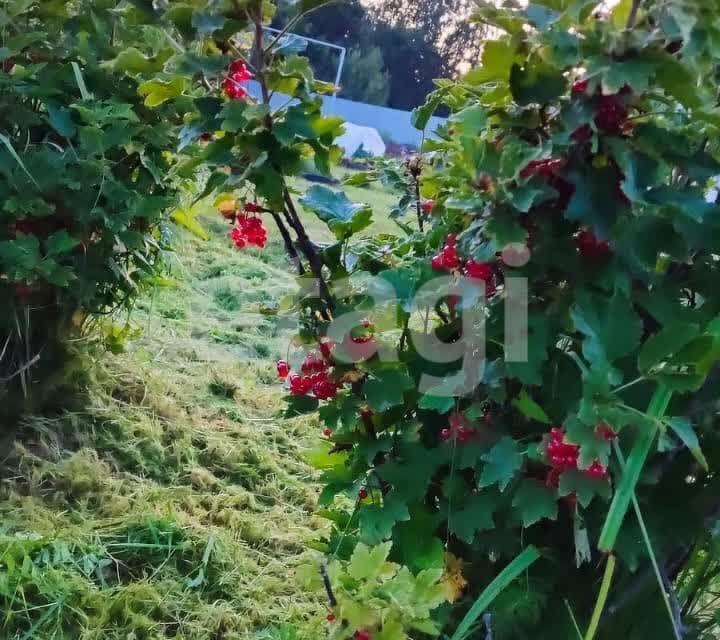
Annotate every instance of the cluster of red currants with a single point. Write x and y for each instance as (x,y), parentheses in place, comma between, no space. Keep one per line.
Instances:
(449,260)
(563,456)
(611,113)
(314,377)
(248,230)
(238,73)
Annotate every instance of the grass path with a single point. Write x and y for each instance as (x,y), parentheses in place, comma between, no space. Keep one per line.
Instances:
(175,503)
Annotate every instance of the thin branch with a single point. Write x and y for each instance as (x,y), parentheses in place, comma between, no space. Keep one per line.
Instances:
(632,16)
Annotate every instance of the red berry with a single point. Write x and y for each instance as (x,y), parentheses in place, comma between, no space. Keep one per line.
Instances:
(331,617)
(450,257)
(327,433)
(582,134)
(596,470)
(299,385)
(324,389)
(283,368)
(451,240)
(590,247)
(252,207)
(237,74)
(445,434)
(428,206)
(362,494)
(580,87)
(479,270)
(363,634)
(464,434)
(611,114)
(561,454)
(437,263)
(605,431)
(326,347)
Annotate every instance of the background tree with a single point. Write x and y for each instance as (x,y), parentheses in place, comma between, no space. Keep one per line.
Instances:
(387,65)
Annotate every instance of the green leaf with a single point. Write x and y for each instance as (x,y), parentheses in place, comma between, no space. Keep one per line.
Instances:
(421,115)
(585,487)
(498,58)
(441,404)
(377,521)
(621,13)
(667,342)
(386,386)
(344,217)
(369,563)
(476,515)
(132,60)
(502,462)
(684,430)
(187,218)
(631,473)
(207,23)
(612,328)
(471,121)
(516,568)
(157,92)
(536,82)
(529,408)
(61,120)
(534,502)
(60,242)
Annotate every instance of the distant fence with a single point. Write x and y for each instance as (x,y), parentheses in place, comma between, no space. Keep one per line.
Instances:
(393,124)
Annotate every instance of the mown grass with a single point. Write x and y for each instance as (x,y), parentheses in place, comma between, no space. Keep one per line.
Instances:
(176,503)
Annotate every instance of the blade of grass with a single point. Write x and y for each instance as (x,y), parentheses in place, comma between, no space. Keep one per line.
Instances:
(651,553)
(633,469)
(86,95)
(494,589)
(6,141)
(576,626)
(602,597)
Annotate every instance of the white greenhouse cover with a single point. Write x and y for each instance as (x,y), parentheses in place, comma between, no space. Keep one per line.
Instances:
(357,138)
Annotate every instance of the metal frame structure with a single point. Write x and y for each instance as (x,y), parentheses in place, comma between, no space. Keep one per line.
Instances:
(322,43)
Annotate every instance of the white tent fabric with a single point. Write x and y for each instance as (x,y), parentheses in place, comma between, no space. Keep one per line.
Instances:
(357,138)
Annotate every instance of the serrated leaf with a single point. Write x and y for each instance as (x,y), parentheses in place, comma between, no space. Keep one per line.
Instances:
(335,209)
(612,329)
(502,462)
(187,219)
(377,521)
(684,430)
(476,515)
(535,502)
(668,341)
(157,92)
(585,487)
(207,23)
(370,563)
(421,115)
(386,387)
(60,242)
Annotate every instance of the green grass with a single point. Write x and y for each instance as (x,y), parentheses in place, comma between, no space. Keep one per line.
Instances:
(176,503)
